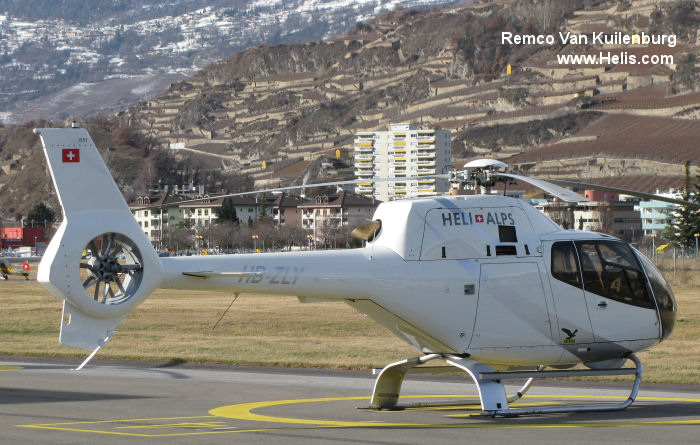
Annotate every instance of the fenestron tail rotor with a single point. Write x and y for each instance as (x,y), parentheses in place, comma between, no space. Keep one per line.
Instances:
(113,268)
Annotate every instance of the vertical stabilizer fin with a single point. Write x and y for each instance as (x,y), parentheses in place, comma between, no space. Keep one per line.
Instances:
(99,262)
(80,176)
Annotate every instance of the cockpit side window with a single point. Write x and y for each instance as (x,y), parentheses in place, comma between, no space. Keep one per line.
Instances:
(611,270)
(591,268)
(564,264)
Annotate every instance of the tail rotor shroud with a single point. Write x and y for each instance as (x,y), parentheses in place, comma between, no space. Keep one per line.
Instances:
(113,268)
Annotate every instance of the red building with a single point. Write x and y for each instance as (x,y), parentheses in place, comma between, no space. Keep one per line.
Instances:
(21,236)
(599,195)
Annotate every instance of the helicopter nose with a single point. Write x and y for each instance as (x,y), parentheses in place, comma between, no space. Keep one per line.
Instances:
(665,301)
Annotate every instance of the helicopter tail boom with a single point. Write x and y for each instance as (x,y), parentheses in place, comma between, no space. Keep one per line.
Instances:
(99,262)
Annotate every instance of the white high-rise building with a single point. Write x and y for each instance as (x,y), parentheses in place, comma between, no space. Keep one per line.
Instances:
(402,152)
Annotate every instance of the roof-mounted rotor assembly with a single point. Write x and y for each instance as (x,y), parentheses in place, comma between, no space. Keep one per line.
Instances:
(486,173)
(480,173)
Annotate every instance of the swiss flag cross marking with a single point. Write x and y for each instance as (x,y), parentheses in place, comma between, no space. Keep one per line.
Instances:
(70,155)
(479,218)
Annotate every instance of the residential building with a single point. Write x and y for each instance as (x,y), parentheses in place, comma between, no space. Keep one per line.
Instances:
(155,213)
(617,218)
(286,211)
(326,215)
(281,208)
(174,210)
(201,213)
(604,213)
(371,159)
(654,214)
(405,151)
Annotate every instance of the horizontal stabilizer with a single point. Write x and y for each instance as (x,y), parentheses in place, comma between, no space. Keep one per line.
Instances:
(211,274)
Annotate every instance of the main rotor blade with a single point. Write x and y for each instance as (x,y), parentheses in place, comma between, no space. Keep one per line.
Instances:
(547,186)
(304,186)
(606,188)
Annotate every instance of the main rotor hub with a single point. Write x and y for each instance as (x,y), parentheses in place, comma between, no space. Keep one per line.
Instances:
(478,173)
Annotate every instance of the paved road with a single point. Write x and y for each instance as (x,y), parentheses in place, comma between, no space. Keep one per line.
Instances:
(43,401)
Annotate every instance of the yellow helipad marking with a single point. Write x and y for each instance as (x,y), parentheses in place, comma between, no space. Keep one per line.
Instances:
(218,422)
(243,411)
(9,368)
(222,427)
(178,425)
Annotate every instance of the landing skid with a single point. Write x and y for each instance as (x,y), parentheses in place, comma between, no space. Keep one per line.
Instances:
(492,393)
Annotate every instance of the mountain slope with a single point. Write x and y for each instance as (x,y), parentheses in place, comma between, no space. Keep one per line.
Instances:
(441,68)
(49,47)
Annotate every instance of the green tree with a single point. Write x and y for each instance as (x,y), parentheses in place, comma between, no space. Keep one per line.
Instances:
(685,219)
(186,224)
(227,211)
(40,216)
(262,208)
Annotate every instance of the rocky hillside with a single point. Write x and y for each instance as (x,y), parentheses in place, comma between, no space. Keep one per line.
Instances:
(442,68)
(294,105)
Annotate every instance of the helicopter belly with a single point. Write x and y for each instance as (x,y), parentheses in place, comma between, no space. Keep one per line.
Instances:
(435,314)
(404,330)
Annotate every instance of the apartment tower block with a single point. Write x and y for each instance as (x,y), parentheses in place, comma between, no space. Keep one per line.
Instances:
(402,152)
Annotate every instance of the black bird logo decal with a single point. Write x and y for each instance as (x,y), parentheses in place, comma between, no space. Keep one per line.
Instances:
(569,333)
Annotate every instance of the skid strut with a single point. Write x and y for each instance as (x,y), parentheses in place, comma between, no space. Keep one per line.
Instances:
(492,393)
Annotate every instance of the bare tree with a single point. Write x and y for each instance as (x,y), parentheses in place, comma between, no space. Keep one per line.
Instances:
(548,13)
(179,238)
(560,213)
(292,235)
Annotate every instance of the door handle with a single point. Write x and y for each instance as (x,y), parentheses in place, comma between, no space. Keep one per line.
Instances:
(602,305)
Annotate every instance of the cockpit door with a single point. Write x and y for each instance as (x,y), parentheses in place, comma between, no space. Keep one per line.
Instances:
(567,292)
(618,298)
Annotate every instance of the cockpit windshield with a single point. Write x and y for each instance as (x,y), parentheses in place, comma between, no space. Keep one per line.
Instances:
(610,269)
(663,294)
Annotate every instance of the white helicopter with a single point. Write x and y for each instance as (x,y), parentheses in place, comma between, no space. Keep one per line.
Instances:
(487,283)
